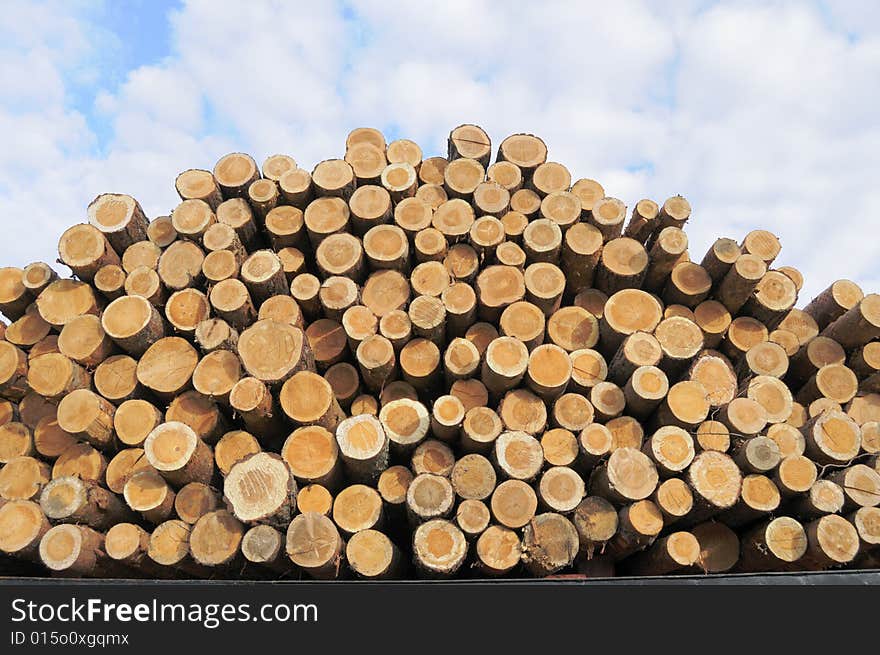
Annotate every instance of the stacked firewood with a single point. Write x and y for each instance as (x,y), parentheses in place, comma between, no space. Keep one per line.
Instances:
(394,367)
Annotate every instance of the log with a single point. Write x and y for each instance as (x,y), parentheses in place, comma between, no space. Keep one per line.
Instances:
(561,489)
(22,527)
(15,297)
(674,552)
(428,497)
(215,540)
(88,417)
(263,197)
(194,500)
(13,372)
(36,276)
(180,265)
(644,391)
(367,162)
(307,399)
(64,300)
(345,382)
(373,556)
(679,339)
(572,411)
(498,550)
(832,541)
(133,324)
(363,446)
(148,493)
(123,466)
(53,376)
(233,447)
(84,341)
(314,544)
(674,498)
(145,282)
(432,456)
(23,478)
(161,232)
(627,476)
(71,500)
(596,522)
(128,544)
(192,218)
(834,302)
(170,548)
(439,548)
(29,330)
(623,265)
(860,485)
(716,482)
(81,460)
(234,173)
(671,449)
(174,449)
(639,524)
(739,282)
(196,184)
(77,551)
(720,257)
(263,545)
(719,546)
(479,430)
(216,375)
(550,544)
(858,325)
(312,454)
(261,489)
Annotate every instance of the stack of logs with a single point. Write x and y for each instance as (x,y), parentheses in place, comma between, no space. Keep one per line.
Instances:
(395,366)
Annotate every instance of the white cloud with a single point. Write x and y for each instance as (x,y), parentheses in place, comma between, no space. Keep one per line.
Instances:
(763,115)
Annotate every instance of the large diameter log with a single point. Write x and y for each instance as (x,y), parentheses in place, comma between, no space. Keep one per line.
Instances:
(561,489)
(53,376)
(680,340)
(196,184)
(315,545)
(179,455)
(860,485)
(85,250)
(84,341)
(628,476)
(671,449)
(16,440)
(518,455)
(743,417)
(120,218)
(234,173)
(71,500)
(215,540)
(719,546)
(832,541)
(169,548)
(64,300)
(272,352)
(639,524)
(261,489)
(513,504)
(195,500)
(133,323)
(550,544)
(773,545)
(363,445)
(623,264)
(686,405)
(22,526)
(497,287)
(439,548)
(372,555)
(81,460)
(834,302)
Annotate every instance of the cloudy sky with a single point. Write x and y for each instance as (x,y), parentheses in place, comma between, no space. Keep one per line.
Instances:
(762,114)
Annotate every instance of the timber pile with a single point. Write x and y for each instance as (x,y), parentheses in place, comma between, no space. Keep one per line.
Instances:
(395,366)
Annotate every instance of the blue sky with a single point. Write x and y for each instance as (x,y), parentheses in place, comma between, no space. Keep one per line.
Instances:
(764,114)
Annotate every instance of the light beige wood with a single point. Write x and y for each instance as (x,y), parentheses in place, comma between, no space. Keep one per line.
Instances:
(275,504)
(233,447)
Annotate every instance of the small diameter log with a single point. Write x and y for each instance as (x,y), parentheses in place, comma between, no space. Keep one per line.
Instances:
(787,340)
(505,363)
(53,376)
(688,285)
(373,556)
(788,438)
(30,329)
(16,440)
(472,517)
(233,447)
(77,551)
(671,449)
(180,265)
(867,523)
(595,443)
(824,497)
(686,405)
(473,477)
(834,381)
(756,455)
(13,372)
(312,454)
(261,489)
(23,478)
(85,250)
(714,320)
(327,340)
(644,219)
(195,184)
(513,504)
(773,395)
(548,371)
(759,495)
(420,363)
(84,341)
(128,544)
(148,493)
(832,541)
(237,214)
(680,339)
(133,323)
(263,196)
(392,486)
(252,400)
(432,456)
(550,544)
(522,411)
(308,399)
(858,325)
(192,218)
(234,173)
(674,498)
(518,455)
(263,275)
(865,361)
(834,302)
(345,382)
(626,312)
(571,411)
(795,475)
(81,460)
(145,282)
(447,415)
(15,297)
(819,352)
(644,391)
(363,445)
(64,300)
(37,276)
(545,284)
(721,255)
(774,296)
(195,500)
(743,417)
(376,361)
(71,500)
(428,318)
(498,550)
(179,455)
(470,142)
(315,545)
(596,522)
(716,481)
(272,352)
(215,540)
(666,252)
(561,489)
(563,208)
(216,375)
(126,463)
(831,438)
(296,187)
(622,265)
(170,548)
(628,475)
(186,309)
(429,496)
(860,485)
(22,526)
(763,244)
(462,177)
(88,417)
(479,430)
(367,162)
(674,552)
(400,179)
(336,295)
(263,545)
(801,324)
(199,413)
(167,366)
(739,282)
(542,241)
(560,447)
(639,524)
(439,548)
(719,546)
(461,360)
(161,232)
